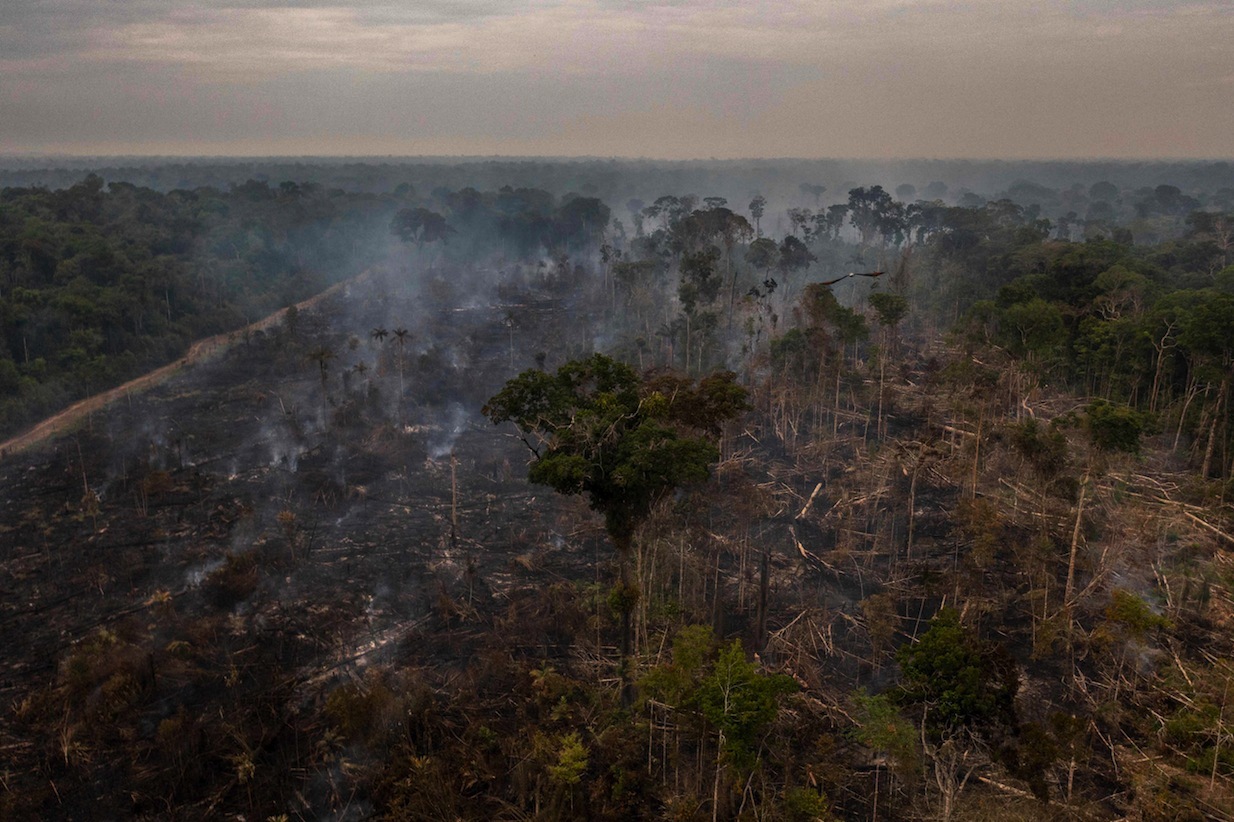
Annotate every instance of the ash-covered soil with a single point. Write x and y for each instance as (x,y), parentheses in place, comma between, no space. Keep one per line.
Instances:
(321,498)
(190,579)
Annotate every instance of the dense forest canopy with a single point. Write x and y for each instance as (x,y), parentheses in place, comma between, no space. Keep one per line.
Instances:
(918,482)
(1050,184)
(103,280)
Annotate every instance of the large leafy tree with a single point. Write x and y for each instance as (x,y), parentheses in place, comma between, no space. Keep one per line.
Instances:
(758,207)
(596,428)
(961,681)
(420,226)
(741,702)
(872,212)
(580,222)
(794,256)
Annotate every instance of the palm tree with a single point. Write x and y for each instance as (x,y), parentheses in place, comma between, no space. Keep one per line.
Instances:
(402,335)
(322,355)
(379,335)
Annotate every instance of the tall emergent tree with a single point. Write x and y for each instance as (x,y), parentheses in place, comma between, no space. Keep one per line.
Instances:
(758,207)
(596,428)
(420,226)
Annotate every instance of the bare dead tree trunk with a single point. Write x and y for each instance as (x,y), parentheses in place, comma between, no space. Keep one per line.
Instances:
(977,448)
(453,500)
(882,369)
(626,601)
(1212,429)
(1161,346)
(1192,391)
(912,506)
(835,416)
(1075,542)
(760,640)
(954,761)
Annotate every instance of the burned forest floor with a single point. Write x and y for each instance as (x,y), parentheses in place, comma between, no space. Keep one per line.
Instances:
(259,527)
(307,579)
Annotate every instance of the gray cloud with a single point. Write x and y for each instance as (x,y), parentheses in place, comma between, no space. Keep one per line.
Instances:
(683,78)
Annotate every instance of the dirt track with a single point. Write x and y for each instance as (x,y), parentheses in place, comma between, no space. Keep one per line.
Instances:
(200,352)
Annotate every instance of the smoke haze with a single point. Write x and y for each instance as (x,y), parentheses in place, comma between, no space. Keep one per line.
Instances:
(698,78)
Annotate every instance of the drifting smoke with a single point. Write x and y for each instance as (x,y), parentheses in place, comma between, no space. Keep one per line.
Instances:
(284,452)
(194,575)
(442,444)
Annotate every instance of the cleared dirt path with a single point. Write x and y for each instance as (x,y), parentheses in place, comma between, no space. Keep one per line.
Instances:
(199,352)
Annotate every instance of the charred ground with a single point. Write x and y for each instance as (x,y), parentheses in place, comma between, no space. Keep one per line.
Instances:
(308,580)
(273,523)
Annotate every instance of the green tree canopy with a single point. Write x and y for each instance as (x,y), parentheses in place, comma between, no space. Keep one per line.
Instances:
(960,680)
(741,702)
(890,308)
(420,226)
(763,254)
(1114,427)
(597,428)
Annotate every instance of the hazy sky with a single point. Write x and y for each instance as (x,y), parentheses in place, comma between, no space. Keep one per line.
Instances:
(673,79)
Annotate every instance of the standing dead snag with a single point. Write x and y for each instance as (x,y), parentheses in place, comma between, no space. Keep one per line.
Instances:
(596,428)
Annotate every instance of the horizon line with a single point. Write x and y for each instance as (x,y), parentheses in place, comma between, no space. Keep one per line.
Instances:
(34,155)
